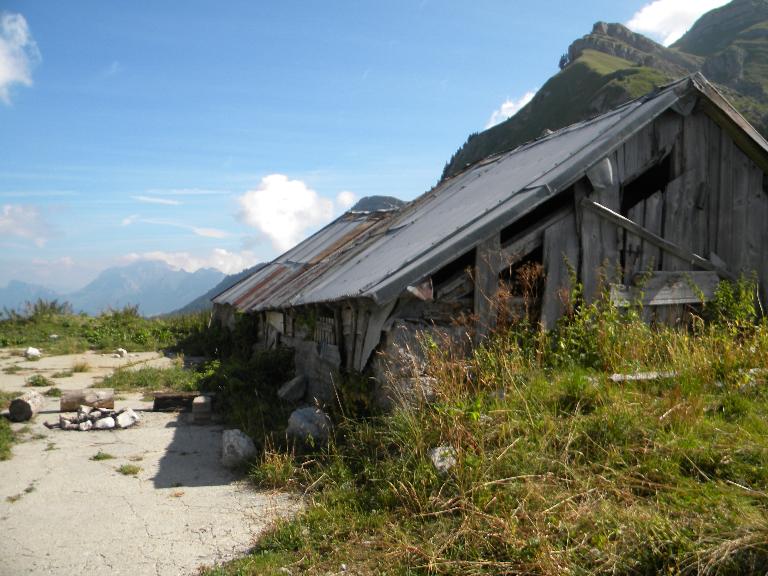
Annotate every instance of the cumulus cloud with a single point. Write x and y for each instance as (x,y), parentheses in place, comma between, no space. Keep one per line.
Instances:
(284,210)
(667,20)
(219,258)
(24,221)
(18,54)
(345,199)
(509,108)
(156,200)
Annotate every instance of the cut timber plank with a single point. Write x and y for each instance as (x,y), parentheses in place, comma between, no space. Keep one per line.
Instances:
(171,401)
(666,245)
(561,251)
(487,266)
(668,288)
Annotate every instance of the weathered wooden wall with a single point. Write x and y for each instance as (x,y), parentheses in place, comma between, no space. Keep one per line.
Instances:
(714,202)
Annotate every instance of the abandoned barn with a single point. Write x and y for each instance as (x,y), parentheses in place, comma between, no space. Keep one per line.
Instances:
(668,193)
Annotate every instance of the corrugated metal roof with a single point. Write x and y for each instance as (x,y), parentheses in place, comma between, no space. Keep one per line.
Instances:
(377,256)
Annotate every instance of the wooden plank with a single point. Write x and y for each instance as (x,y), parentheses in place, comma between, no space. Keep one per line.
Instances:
(725,245)
(651,254)
(676,225)
(668,288)
(739,220)
(654,239)
(694,147)
(487,266)
(713,179)
(561,250)
(633,245)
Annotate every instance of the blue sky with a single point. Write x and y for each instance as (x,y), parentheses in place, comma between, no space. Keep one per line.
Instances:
(218,133)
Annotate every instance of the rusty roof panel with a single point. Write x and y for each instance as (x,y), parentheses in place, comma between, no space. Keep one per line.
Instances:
(377,256)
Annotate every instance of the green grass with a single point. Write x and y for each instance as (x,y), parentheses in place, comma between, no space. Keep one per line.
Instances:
(15,369)
(6,439)
(148,378)
(108,331)
(102,456)
(62,374)
(6,397)
(129,469)
(81,366)
(53,392)
(38,381)
(567,472)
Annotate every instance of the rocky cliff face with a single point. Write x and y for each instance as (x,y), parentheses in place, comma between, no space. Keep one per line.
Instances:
(619,41)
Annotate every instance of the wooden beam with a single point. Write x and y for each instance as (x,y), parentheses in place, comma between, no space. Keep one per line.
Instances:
(650,237)
(486,284)
(668,288)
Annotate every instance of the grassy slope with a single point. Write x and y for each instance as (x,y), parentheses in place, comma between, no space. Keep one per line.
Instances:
(565,472)
(566,98)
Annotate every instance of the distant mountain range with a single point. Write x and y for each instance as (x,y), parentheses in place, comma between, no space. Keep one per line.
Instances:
(154,286)
(613,65)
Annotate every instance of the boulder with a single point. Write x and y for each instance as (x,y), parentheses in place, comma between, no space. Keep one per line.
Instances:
(104,423)
(310,426)
(443,458)
(236,447)
(85,426)
(32,353)
(126,419)
(121,353)
(293,390)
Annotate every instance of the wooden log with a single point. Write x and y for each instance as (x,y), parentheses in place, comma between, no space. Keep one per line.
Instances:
(71,400)
(171,401)
(25,406)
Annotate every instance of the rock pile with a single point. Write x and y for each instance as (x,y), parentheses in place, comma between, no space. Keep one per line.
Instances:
(88,418)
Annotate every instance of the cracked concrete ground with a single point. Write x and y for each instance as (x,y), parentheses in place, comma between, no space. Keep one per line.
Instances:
(62,512)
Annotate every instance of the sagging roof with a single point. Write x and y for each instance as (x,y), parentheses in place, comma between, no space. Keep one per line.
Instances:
(377,255)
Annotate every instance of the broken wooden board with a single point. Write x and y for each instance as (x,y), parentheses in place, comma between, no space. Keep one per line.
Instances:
(668,288)
(172,401)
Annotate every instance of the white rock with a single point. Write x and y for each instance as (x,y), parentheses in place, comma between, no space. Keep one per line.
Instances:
(32,352)
(236,447)
(121,353)
(54,336)
(443,458)
(309,425)
(95,414)
(85,426)
(104,423)
(85,409)
(126,419)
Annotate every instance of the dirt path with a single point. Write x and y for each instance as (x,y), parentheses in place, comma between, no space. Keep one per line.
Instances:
(62,512)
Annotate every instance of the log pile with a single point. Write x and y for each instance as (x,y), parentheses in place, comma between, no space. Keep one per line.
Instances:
(89,418)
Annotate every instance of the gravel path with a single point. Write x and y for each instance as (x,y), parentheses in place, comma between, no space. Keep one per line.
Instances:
(63,513)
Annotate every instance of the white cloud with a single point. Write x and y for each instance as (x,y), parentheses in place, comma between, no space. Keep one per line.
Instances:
(23,222)
(156,200)
(220,259)
(346,199)
(284,210)
(667,20)
(210,232)
(18,54)
(128,220)
(509,108)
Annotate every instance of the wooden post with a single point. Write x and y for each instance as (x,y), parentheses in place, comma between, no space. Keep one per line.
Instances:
(487,265)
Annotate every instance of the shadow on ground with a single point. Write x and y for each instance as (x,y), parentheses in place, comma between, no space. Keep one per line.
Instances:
(192,457)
